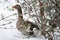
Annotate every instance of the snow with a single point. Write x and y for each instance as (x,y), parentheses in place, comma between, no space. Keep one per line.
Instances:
(14,34)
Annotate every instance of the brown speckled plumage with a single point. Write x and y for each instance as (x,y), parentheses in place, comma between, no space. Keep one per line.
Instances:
(22,25)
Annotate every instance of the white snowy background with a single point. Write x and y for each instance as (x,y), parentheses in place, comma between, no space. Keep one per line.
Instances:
(8,31)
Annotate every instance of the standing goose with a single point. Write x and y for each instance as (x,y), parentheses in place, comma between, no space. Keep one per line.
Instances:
(22,25)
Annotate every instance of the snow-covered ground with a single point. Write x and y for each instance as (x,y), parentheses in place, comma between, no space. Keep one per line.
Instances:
(14,34)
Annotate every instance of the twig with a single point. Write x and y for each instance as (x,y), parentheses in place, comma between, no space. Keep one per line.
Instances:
(8,16)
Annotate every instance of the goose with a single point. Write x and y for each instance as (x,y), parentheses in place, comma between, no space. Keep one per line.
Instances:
(22,25)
